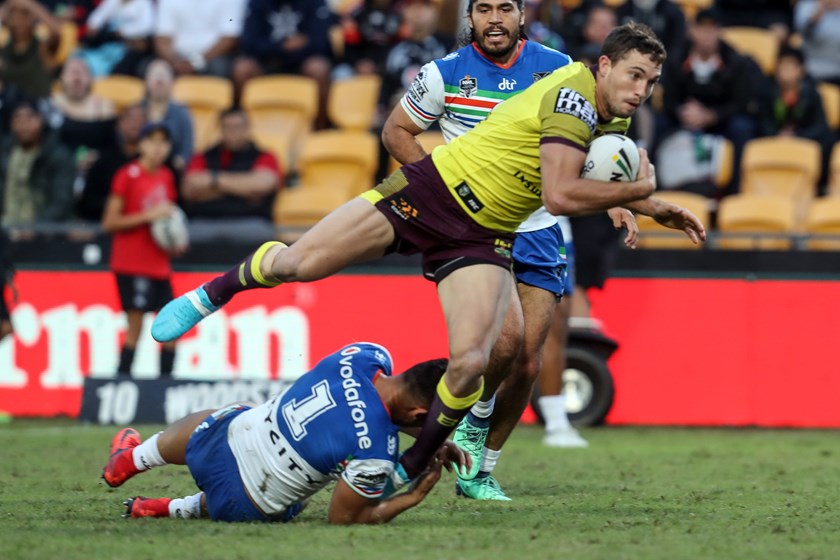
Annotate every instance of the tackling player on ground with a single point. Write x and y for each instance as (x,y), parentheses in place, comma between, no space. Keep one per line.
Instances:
(339,422)
(460,207)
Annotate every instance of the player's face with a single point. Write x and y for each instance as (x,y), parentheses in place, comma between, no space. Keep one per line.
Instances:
(496,25)
(626,84)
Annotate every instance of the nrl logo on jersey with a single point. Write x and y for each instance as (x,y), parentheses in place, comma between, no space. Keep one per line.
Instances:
(468,86)
(539,75)
(418,87)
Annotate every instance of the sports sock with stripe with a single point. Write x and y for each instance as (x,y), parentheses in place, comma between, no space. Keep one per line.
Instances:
(244,276)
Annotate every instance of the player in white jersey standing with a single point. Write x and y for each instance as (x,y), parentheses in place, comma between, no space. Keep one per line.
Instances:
(340,421)
(459,91)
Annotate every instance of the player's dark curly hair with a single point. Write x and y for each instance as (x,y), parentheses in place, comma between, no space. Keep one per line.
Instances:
(633,36)
(422,379)
(468,34)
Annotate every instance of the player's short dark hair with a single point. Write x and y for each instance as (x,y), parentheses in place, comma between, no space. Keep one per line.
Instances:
(421,380)
(633,36)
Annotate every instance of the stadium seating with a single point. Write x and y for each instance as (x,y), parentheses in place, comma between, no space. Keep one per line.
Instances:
(654,236)
(301,207)
(758,43)
(830,94)
(206,97)
(278,143)
(345,160)
(744,219)
(823,219)
(834,171)
(283,103)
(429,140)
(352,103)
(784,166)
(124,91)
(691,7)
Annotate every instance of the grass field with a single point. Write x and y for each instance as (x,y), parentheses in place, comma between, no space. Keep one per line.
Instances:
(634,494)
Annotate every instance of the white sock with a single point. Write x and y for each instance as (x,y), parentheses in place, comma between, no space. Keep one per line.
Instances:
(483,409)
(553,408)
(147,455)
(188,507)
(489,457)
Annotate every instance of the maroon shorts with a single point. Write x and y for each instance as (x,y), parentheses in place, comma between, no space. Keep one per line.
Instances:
(428,220)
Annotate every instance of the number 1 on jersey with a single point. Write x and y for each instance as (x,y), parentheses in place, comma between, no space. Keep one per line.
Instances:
(299,414)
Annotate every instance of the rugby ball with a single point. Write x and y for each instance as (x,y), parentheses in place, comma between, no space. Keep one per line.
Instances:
(171,233)
(612,157)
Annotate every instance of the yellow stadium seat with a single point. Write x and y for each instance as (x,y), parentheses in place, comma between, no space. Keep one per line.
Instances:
(691,7)
(429,140)
(352,103)
(281,103)
(206,97)
(299,208)
(655,236)
(758,43)
(830,94)
(68,41)
(823,219)
(277,143)
(345,160)
(743,219)
(124,91)
(834,171)
(782,165)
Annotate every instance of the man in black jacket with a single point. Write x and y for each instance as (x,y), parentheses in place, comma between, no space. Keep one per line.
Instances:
(709,87)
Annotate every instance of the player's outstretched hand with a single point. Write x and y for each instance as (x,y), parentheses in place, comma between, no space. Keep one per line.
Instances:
(423,484)
(624,218)
(452,455)
(677,217)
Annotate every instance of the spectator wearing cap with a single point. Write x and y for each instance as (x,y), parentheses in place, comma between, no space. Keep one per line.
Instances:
(36,171)
(142,191)
(229,189)
(818,21)
(27,59)
(709,88)
(199,36)
(791,104)
(287,37)
(160,107)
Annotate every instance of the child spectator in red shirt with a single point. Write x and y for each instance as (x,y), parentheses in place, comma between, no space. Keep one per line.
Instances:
(141,192)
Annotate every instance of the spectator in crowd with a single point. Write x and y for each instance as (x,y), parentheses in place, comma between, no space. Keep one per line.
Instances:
(663,16)
(36,171)
(91,202)
(142,192)
(161,108)
(199,36)
(118,36)
(27,59)
(818,21)
(229,189)
(792,105)
(287,36)
(774,15)
(537,31)
(10,95)
(7,275)
(600,20)
(370,31)
(408,56)
(709,88)
(572,24)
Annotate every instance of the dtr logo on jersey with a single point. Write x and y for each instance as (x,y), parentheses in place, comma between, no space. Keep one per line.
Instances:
(418,87)
(571,102)
(468,86)
(506,84)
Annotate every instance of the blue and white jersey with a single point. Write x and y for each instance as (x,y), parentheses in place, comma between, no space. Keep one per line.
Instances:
(330,423)
(460,89)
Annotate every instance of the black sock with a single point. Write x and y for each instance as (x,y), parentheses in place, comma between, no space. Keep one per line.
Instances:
(126,359)
(167,360)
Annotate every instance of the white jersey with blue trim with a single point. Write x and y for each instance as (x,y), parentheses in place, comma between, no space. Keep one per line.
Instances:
(460,89)
(330,423)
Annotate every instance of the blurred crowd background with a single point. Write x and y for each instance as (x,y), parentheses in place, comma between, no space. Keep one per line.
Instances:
(287,98)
